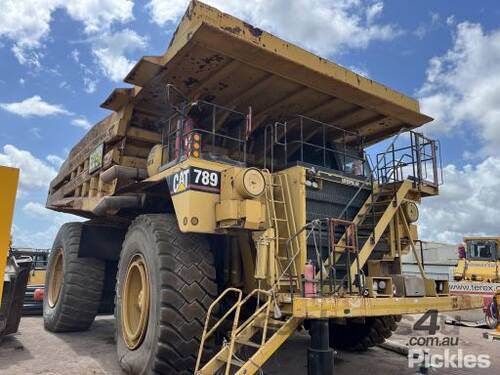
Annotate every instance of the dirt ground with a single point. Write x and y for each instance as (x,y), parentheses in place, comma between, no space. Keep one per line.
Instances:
(36,351)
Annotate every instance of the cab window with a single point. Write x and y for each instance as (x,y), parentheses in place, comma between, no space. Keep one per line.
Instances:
(485,250)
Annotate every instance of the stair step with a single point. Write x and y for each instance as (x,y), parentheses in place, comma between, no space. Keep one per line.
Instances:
(271,324)
(233,361)
(380,203)
(366,227)
(248,343)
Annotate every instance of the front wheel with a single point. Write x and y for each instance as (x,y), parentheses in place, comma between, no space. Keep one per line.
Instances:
(165,284)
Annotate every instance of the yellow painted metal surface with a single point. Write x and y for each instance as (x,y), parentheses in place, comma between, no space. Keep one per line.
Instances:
(37,277)
(195,210)
(296,178)
(9,179)
(477,270)
(350,307)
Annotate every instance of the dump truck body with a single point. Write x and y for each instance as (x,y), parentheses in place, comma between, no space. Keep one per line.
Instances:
(14,271)
(234,173)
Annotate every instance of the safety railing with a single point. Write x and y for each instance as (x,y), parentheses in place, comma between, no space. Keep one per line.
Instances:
(235,310)
(202,129)
(420,161)
(310,141)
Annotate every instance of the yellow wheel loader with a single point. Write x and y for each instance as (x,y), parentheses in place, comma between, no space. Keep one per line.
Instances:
(230,201)
(14,271)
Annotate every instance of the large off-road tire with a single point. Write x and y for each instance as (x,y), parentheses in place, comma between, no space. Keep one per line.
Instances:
(73,285)
(167,280)
(359,336)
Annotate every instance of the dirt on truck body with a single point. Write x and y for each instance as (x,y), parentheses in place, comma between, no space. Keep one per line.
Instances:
(230,202)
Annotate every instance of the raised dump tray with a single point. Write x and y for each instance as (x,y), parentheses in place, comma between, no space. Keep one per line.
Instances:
(217,58)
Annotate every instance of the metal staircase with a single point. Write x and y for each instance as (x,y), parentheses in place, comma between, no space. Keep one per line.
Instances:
(382,206)
(250,344)
(398,172)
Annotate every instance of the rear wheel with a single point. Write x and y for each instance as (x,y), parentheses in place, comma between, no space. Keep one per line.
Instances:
(73,285)
(165,284)
(359,336)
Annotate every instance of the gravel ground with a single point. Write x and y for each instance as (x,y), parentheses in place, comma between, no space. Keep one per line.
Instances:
(36,351)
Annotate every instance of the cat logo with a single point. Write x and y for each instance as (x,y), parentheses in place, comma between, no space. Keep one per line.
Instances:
(180,181)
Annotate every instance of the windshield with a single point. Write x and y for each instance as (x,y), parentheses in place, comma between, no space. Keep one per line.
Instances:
(482,249)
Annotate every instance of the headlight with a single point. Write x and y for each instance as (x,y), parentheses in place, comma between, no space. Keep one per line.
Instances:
(382,284)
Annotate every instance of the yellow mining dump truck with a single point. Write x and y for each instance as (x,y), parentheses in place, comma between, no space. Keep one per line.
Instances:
(14,271)
(478,272)
(230,193)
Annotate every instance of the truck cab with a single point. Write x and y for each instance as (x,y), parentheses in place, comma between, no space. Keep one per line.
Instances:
(481,262)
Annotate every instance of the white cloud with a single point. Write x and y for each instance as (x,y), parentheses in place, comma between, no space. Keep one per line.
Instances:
(97,15)
(27,23)
(75,55)
(35,173)
(163,11)
(110,49)
(36,133)
(325,27)
(51,220)
(22,81)
(467,204)
(36,210)
(34,106)
(361,70)
(81,122)
(451,20)
(55,160)
(90,85)
(462,89)
(425,28)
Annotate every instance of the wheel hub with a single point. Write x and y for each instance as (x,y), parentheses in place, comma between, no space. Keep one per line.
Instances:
(135,302)
(56,279)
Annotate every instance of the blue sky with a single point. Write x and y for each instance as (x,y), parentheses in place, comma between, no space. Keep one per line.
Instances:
(61,59)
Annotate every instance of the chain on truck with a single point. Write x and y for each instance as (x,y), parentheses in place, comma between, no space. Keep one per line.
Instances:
(231,202)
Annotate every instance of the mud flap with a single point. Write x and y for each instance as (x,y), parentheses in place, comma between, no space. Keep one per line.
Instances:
(15,281)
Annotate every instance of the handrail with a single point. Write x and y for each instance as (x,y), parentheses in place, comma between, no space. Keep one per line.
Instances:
(351,201)
(236,328)
(206,334)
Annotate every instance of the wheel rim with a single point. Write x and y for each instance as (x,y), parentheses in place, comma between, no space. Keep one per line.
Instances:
(135,302)
(56,279)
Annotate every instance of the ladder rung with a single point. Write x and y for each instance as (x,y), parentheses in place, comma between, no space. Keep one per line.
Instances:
(281,220)
(248,343)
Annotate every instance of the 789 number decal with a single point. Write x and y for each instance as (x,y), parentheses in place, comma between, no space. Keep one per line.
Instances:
(194,179)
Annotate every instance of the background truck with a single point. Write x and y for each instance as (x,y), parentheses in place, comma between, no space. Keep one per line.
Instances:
(33,297)
(478,272)
(14,271)
(231,201)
